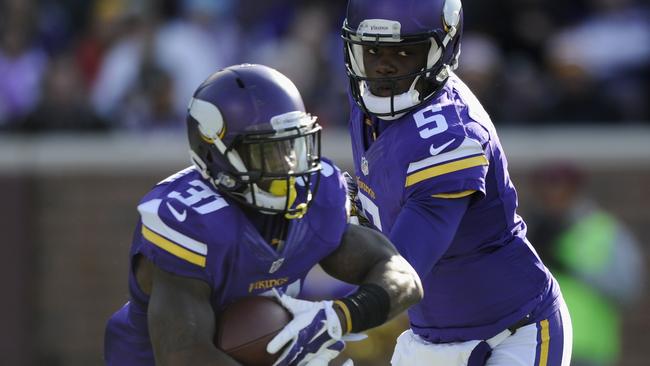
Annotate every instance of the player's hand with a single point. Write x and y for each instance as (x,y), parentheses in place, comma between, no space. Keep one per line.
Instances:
(312,338)
(356,211)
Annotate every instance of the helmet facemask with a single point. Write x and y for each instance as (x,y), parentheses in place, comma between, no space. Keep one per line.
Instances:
(268,164)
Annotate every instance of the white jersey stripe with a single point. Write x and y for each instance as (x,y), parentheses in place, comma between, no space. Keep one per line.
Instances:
(150,218)
(467,148)
(568,335)
(177,175)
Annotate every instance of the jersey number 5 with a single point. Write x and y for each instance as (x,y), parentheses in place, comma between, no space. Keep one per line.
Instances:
(434,121)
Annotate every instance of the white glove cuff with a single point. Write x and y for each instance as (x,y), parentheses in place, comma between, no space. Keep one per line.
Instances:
(333,322)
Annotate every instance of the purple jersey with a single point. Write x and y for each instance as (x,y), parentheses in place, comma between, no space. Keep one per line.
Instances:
(487,276)
(187,228)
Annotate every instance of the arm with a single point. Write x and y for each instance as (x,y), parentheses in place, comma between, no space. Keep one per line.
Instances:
(182,322)
(365,256)
(425,228)
(389,285)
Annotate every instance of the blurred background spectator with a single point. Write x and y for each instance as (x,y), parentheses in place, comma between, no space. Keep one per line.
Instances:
(531,61)
(62,105)
(22,61)
(594,257)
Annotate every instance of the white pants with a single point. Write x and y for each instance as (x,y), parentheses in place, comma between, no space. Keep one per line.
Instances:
(545,343)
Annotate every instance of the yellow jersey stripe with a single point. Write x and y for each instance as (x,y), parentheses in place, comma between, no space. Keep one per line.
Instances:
(545,337)
(453,195)
(445,169)
(150,218)
(173,248)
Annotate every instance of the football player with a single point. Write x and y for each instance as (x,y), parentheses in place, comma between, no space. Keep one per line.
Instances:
(256,211)
(432,175)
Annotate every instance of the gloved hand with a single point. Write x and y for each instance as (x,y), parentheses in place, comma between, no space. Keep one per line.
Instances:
(314,336)
(356,210)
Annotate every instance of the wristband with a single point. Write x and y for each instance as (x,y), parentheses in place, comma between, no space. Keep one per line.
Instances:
(367,308)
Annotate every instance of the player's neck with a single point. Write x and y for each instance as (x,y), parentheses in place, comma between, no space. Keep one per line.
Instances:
(373,127)
(272,228)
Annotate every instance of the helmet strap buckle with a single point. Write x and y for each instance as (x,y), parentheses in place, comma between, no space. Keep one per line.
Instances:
(226,180)
(443,74)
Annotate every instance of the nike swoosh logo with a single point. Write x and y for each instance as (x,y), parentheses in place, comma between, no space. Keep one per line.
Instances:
(179,216)
(436,150)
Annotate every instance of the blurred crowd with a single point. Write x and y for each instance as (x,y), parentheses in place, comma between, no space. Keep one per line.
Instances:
(595,257)
(133,64)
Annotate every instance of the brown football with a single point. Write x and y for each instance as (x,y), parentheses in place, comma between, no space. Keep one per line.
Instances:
(246,326)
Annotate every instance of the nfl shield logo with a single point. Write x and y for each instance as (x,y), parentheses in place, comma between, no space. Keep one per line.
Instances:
(276,265)
(364,165)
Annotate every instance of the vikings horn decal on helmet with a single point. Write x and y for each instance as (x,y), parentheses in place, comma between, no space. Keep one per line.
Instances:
(250,136)
(389,23)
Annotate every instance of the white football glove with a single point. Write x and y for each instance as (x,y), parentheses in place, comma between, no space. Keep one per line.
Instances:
(314,335)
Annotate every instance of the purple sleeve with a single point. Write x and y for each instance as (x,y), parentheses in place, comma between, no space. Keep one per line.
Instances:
(171,263)
(425,228)
(174,245)
(463,167)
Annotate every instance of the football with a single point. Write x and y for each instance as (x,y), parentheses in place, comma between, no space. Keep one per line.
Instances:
(246,326)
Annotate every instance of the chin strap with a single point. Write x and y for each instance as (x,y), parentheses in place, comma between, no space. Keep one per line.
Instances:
(301,210)
(382,105)
(264,199)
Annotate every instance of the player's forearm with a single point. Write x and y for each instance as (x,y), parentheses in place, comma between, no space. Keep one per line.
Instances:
(384,267)
(399,280)
(389,288)
(388,283)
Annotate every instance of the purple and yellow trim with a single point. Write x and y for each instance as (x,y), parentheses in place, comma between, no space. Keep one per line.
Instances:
(446,168)
(453,195)
(173,248)
(545,339)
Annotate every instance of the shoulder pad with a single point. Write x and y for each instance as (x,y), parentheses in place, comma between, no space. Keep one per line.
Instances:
(178,175)
(329,168)
(473,106)
(174,219)
(457,153)
(170,234)
(332,187)
(461,167)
